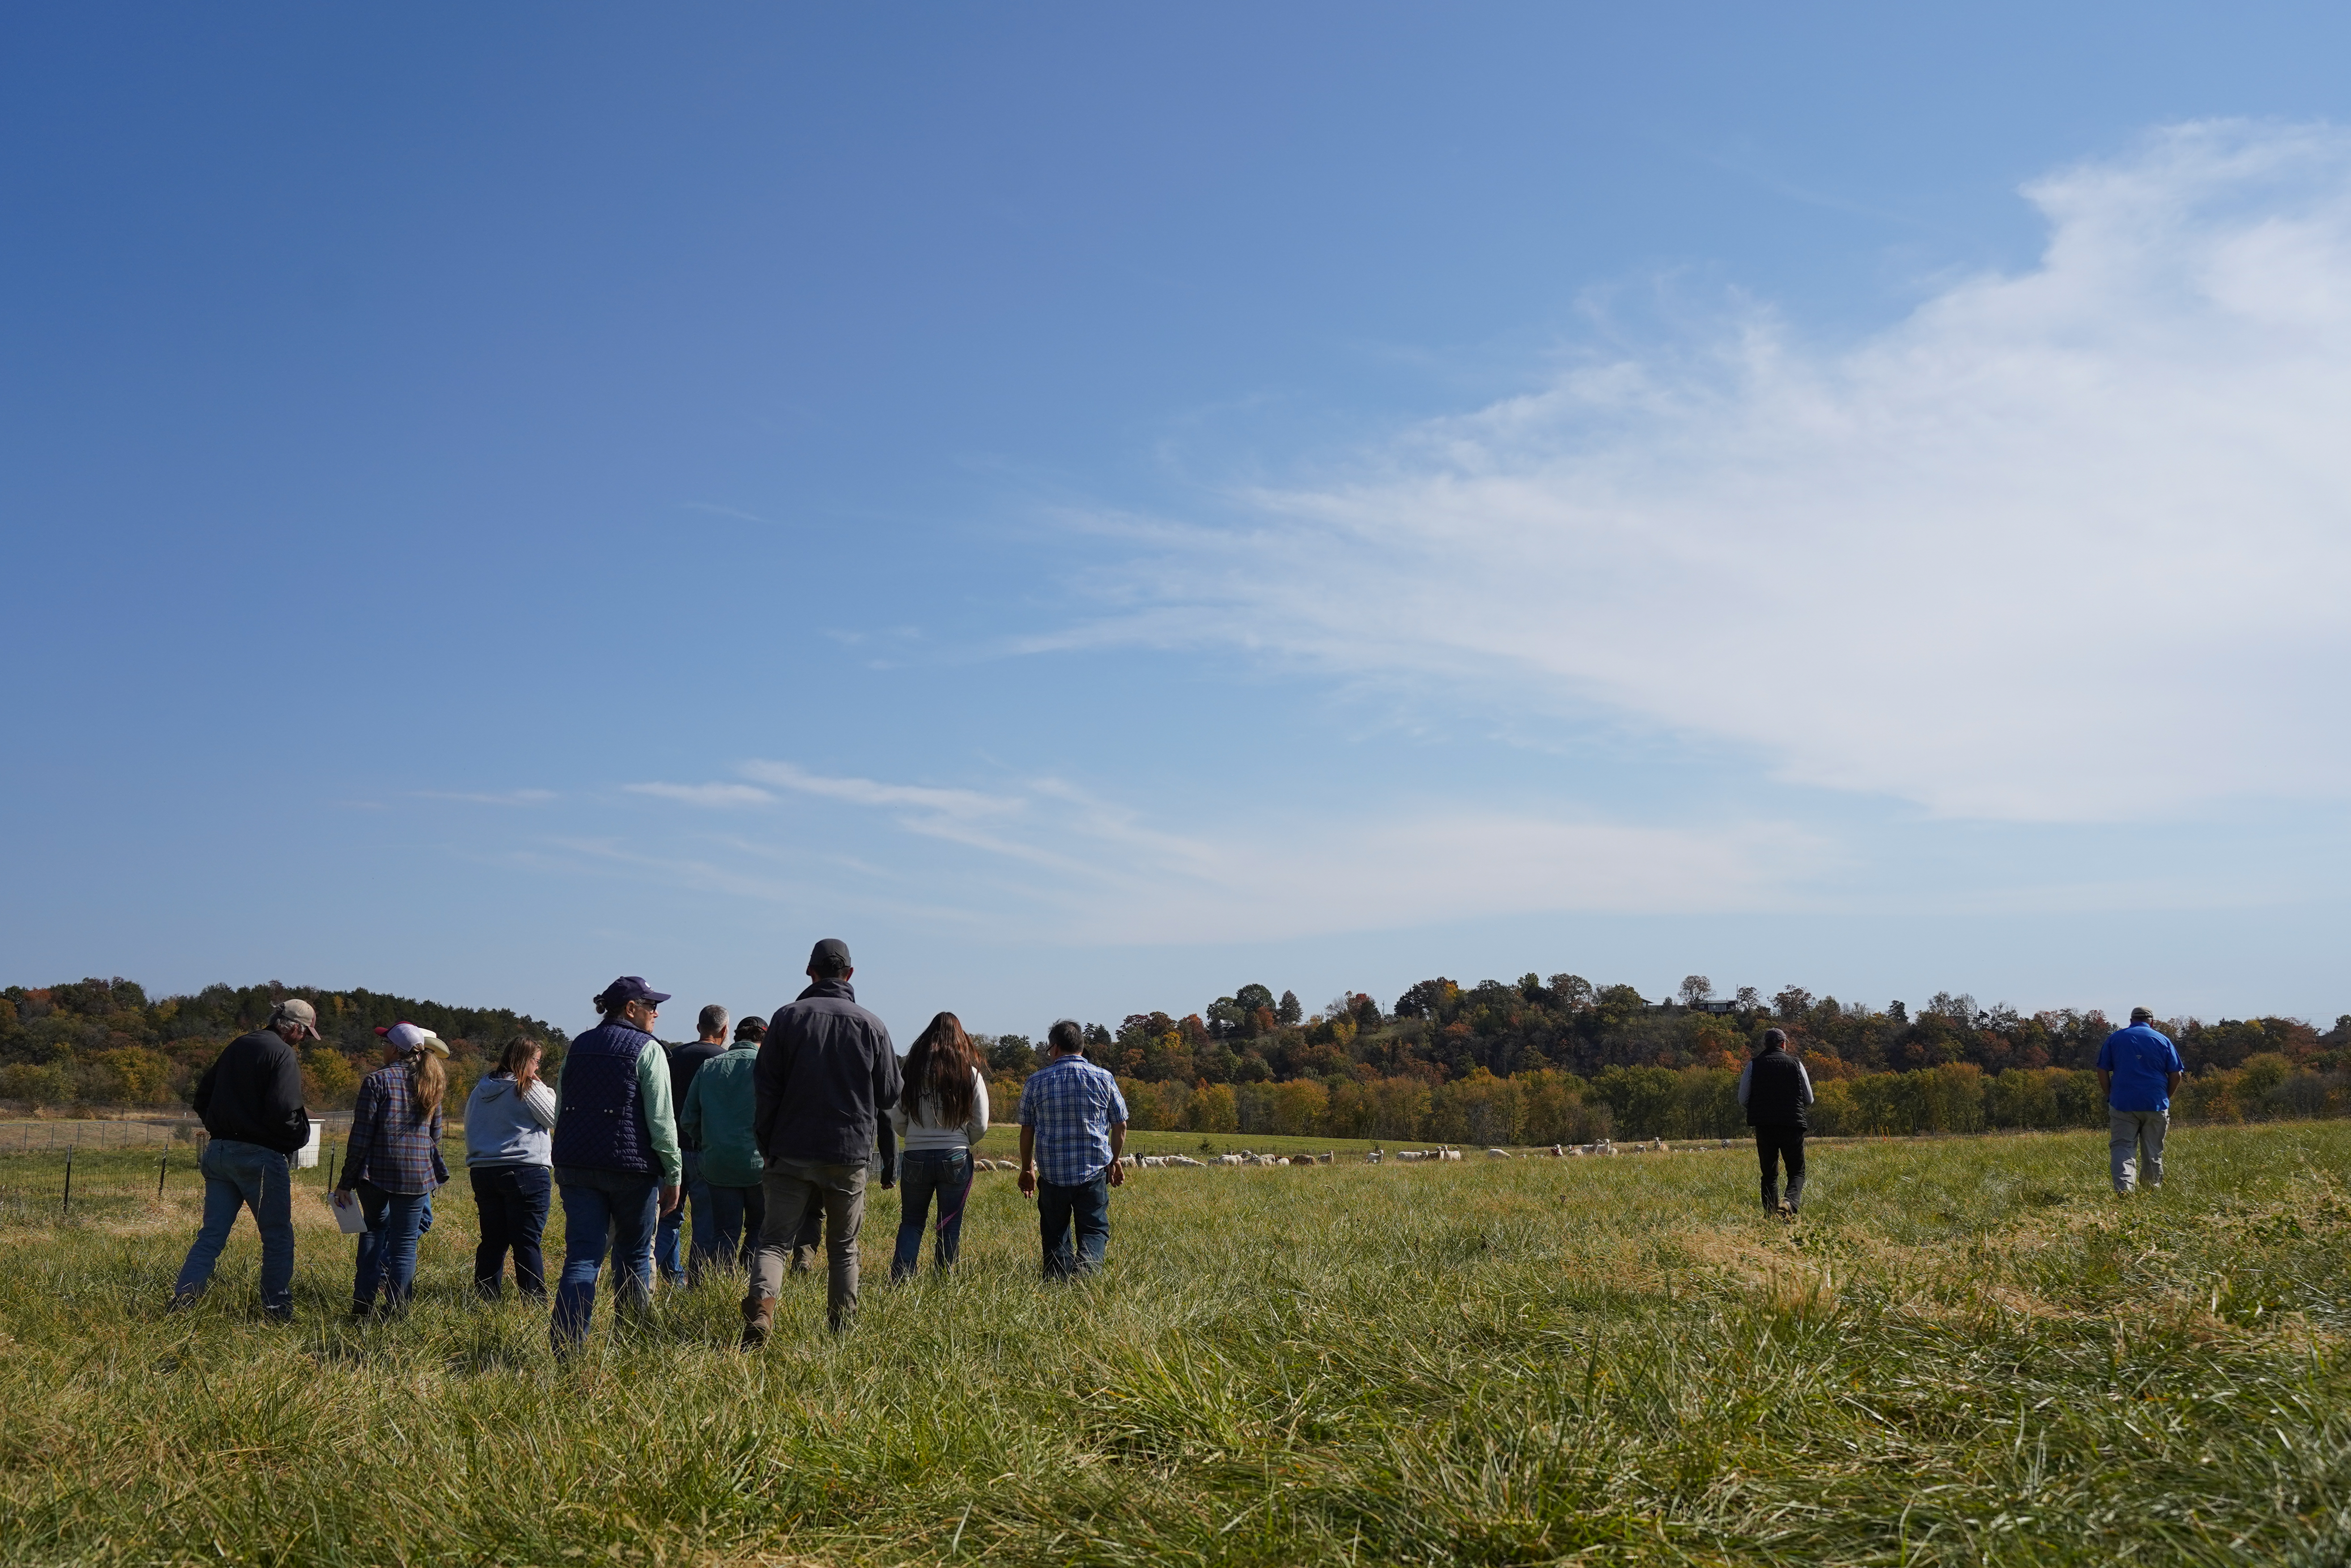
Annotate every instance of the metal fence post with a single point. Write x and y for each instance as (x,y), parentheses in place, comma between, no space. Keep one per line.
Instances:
(69,1204)
(162,1171)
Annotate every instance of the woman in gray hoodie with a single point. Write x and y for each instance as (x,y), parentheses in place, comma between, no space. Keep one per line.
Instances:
(507,1156)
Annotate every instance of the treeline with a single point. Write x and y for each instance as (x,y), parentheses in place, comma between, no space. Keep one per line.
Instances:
(1443,1031)
(1560,1060)
(1539,1060)
(105,1042)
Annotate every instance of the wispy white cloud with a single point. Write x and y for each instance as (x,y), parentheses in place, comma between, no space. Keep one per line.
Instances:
(961,804)
(1060,861)
(705,794)
(2070,545)
(506,798)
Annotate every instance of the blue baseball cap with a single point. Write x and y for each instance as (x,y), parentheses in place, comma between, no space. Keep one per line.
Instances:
(629,988)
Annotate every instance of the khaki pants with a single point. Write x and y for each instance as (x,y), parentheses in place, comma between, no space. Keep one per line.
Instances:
(796,1189)
(2137,1133)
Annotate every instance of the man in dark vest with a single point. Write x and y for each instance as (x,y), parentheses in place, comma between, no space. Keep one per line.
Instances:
(251,1101)
(825,1072)
(1775,1088)
(616,1156)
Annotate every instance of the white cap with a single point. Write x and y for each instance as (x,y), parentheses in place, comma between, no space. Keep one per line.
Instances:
(405,1037)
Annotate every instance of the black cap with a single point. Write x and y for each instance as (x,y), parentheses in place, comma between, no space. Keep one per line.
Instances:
(829,957)
(751,1028)
(629,988)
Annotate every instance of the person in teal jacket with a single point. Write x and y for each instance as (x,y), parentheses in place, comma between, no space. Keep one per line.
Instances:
(718,1114)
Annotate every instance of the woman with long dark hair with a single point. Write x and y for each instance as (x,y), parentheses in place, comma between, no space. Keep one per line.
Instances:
(394,1162)
(940,1114)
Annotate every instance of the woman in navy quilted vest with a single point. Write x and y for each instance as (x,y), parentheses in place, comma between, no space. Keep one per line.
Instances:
(616,1156)
(394,1162)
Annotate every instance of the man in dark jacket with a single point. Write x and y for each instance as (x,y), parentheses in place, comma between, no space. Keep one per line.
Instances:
(251,1102)
(1775,1088)
(825,1072)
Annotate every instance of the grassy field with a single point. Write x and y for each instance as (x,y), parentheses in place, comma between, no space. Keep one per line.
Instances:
(1967,1351)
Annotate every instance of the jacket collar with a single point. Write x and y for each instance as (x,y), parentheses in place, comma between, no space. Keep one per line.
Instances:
(842,988)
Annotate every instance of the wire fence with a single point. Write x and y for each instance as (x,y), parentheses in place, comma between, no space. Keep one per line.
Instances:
(95,1170)
(57,1137)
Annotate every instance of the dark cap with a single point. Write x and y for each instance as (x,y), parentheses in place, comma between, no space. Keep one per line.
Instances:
(829,957)
(629,988)
(751,1028)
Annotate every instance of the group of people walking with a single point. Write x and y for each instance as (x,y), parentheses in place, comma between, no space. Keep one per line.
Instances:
(744,1154)
(747,1154)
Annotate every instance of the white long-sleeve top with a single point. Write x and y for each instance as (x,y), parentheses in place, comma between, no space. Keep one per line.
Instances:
(1747,1077)
(921,1130)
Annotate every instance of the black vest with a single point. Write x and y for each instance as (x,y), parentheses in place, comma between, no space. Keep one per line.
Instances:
(602,1122)
(1775,1091)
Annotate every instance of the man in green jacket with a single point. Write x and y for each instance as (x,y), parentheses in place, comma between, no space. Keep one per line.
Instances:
(717,1113)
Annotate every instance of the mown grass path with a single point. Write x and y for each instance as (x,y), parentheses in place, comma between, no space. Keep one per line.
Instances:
(1968,1351)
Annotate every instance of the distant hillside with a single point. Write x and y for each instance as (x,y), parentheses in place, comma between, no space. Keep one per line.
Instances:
(105,1042)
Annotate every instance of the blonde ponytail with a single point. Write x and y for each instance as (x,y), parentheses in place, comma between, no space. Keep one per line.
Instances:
(429,1081)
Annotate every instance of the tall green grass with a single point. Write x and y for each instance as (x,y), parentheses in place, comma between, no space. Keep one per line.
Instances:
(1968,1351)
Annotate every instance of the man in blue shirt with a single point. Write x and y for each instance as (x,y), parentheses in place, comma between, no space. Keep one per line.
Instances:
(2137,1069)
(1072,1133)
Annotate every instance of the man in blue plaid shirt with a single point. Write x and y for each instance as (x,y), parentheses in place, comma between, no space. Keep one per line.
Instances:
(1072,1131)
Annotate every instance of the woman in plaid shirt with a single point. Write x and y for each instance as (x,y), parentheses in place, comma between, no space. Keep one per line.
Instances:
(394,1162)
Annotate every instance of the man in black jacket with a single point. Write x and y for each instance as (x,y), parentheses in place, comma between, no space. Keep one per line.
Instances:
(251,1102)
(825,1072)
(1775,1088)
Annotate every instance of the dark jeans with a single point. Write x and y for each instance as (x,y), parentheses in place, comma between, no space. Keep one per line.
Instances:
(736,1212)
(688,1223)
(1771,1145)
(1087,1205)
(923,1173)
(237,1177)
(388,1245)
(600,1207)
(514,1202)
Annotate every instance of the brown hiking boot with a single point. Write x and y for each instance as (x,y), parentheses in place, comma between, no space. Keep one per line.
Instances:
(759,1321)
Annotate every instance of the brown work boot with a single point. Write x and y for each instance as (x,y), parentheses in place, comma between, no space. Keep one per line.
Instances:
(759,1321)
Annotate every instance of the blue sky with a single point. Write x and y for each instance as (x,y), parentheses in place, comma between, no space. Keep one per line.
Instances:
(1096,506)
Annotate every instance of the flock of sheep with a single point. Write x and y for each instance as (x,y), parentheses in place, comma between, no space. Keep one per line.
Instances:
(1406,1156)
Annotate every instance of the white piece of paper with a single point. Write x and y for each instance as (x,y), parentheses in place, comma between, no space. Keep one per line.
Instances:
(348,1212)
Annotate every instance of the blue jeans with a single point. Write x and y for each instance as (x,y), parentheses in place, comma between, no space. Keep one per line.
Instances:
(699,1239)
(923,1173)
(513,1200)
(388,1245)
(245,1176)
(1088,1206)
(736,1212)
(620,1207)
